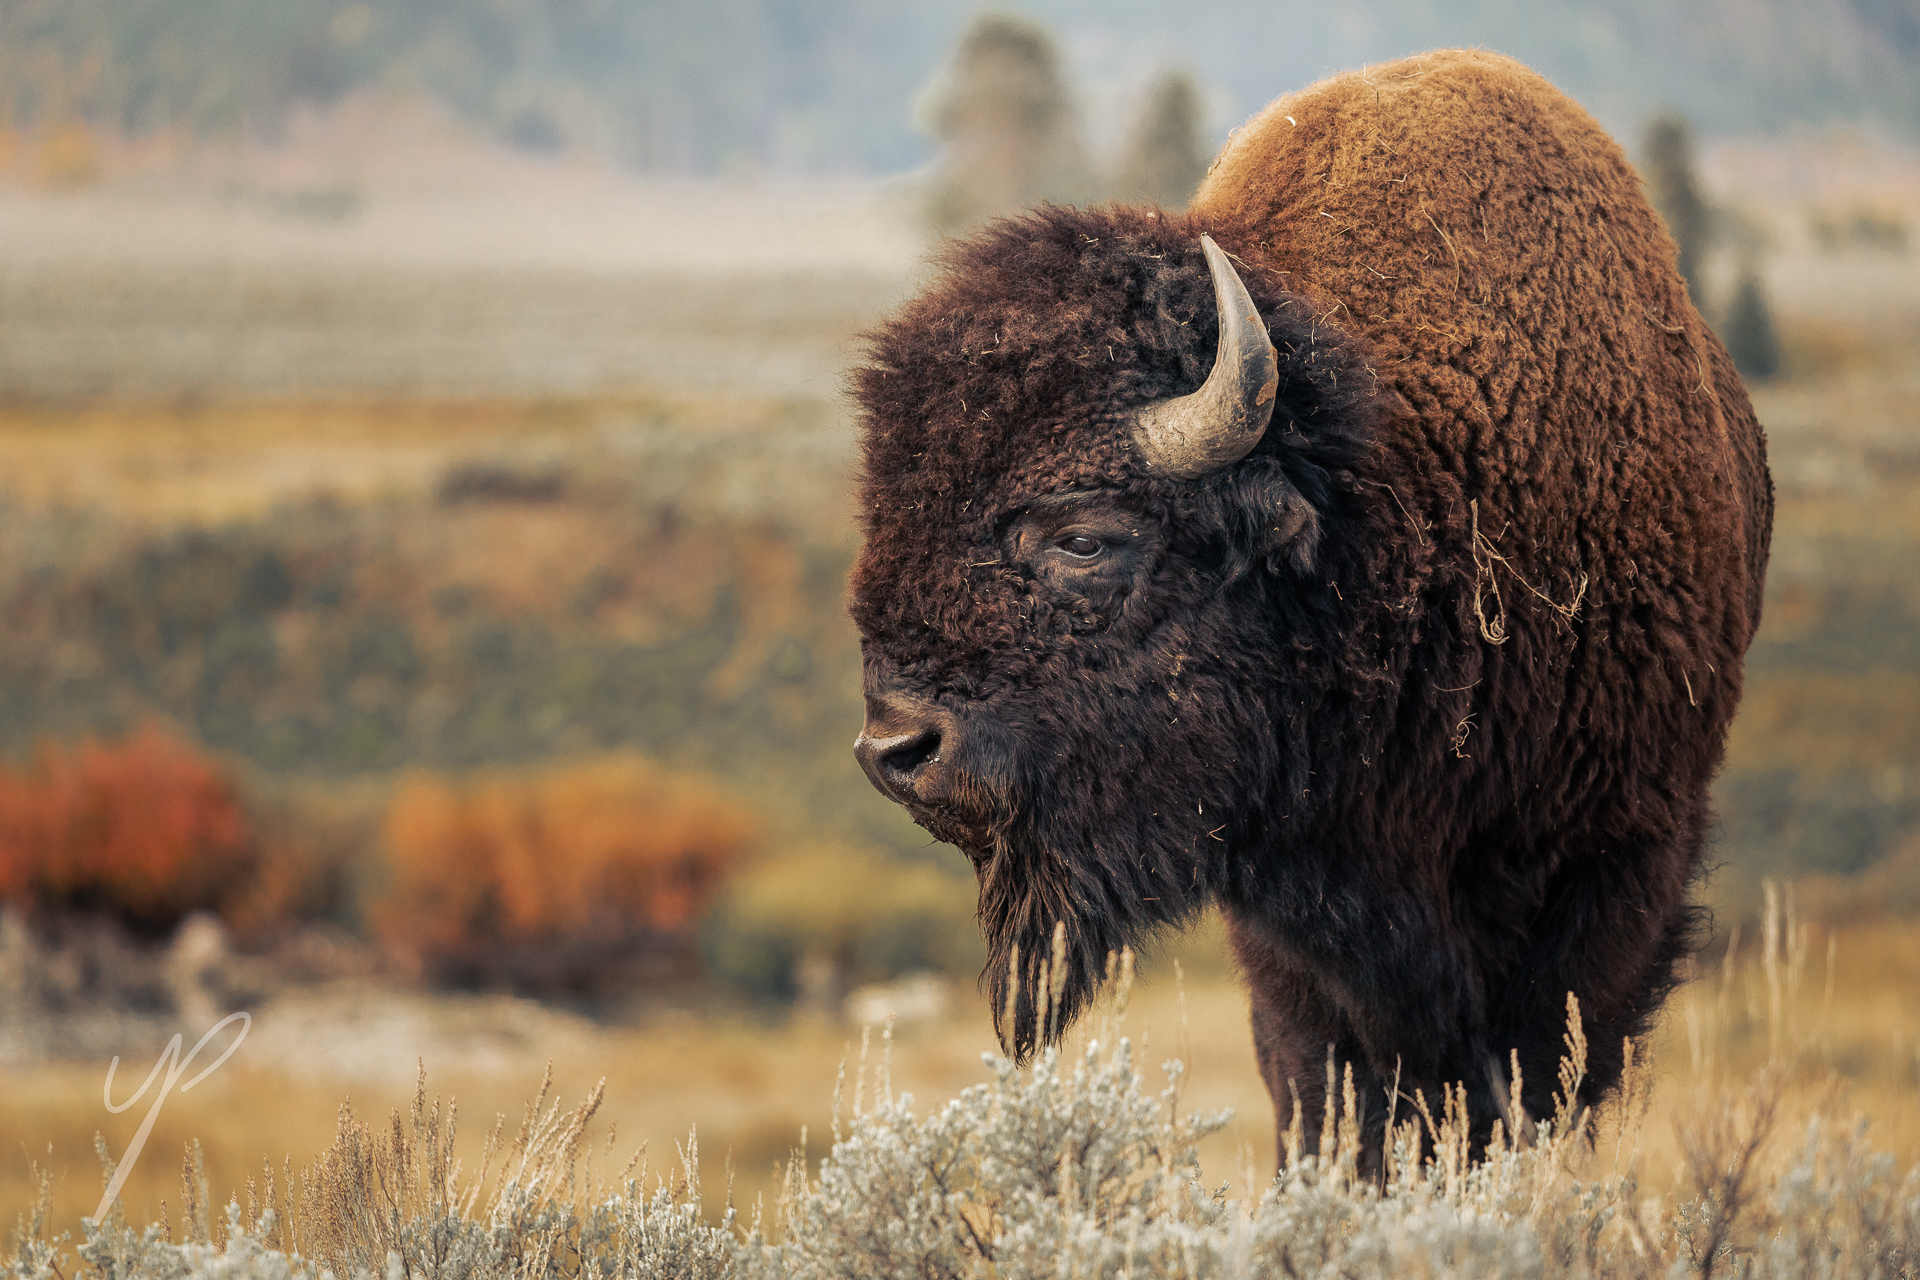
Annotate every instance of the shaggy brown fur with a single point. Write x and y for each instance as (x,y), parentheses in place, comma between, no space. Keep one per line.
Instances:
(1428,691)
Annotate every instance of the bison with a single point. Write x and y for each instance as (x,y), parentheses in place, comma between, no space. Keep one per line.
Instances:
(1370,550)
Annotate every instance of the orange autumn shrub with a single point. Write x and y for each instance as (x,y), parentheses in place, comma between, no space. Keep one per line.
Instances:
(552,877)
(146,829)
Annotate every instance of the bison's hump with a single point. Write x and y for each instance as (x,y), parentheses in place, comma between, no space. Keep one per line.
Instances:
(1525,311)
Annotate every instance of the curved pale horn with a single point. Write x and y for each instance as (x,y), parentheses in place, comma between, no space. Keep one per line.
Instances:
(1190,436)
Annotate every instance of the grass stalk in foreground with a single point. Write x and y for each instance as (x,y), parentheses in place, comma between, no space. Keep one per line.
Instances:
(1073,1167)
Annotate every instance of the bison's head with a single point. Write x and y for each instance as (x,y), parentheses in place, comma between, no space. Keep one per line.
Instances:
(1103,474)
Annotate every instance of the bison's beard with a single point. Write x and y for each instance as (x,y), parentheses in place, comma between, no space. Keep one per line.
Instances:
(1103,812)
(1055,921)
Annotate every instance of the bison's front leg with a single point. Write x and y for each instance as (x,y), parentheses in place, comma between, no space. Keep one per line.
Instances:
(1296,1032)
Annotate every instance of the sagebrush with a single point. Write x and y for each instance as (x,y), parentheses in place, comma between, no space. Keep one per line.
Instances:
(1072,1167)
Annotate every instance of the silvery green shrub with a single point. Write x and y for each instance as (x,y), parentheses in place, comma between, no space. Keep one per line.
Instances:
(1076,1170)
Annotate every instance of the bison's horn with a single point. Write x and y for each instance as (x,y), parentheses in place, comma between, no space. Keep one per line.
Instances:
(1190,436)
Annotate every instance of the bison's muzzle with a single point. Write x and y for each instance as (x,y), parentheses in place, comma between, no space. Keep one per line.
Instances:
(907,747)
(925,756)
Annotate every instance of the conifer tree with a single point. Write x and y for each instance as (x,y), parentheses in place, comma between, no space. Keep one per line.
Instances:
(1002,110)
(1166,154)
(1674,189)
(1750,336)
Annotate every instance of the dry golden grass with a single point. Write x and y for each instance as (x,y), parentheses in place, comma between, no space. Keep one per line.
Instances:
(198,461)
(1845,1036)
(1849,1040)
(217,461)
(749,1087)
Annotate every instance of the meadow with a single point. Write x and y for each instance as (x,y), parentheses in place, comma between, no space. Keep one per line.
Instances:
(1794,1056)
(360,523)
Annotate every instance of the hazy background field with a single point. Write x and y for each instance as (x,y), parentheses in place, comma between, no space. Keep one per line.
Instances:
(421,440)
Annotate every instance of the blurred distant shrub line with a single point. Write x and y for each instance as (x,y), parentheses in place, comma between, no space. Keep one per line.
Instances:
(1887,890)
(1869,227)
(800,86)
(611,876)
(570,878)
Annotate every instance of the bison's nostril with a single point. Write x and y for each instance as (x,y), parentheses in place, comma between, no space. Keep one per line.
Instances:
(909,748)
(907,757)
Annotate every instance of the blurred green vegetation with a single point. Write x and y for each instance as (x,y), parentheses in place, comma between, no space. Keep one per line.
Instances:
(336,641)
(1824,770)
(1823,764)
(827,915)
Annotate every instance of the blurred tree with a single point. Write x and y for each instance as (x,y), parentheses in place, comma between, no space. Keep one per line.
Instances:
(1751,340)
(1001,110)
(1667,168)
(1166,154)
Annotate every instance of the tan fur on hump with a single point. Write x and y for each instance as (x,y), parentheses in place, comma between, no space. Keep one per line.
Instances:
(1491,243)
(1405,187)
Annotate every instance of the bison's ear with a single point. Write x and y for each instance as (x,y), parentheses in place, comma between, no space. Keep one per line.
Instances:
(1293,528)
(1264,520)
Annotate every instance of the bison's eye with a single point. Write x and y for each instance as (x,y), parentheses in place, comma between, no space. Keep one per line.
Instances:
(1086,546)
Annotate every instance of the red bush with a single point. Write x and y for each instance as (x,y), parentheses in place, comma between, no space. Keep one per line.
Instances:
(146,829)
(549,877)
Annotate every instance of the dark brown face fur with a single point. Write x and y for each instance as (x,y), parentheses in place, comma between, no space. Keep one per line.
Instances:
(1076,657)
